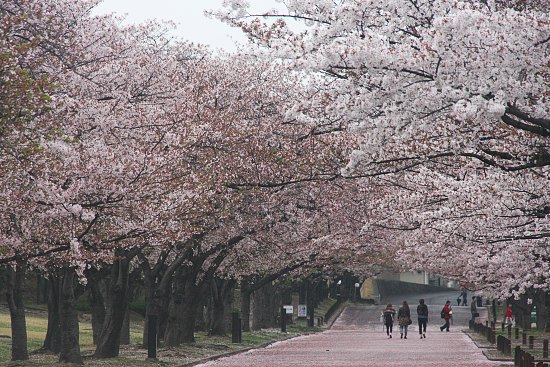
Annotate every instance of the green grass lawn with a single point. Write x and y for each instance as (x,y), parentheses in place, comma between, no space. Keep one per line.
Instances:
(133,355)
(37,324)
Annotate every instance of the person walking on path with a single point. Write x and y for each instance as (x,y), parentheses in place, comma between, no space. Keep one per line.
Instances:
(389,316)
(446,313)
(473,309)
(464,298)
(509,315)
(404,319)
(422,311)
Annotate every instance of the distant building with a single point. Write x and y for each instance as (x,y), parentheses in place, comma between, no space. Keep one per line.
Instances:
(418,277)
(369,288)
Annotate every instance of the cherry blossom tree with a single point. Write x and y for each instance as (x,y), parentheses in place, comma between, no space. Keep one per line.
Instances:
(441,95)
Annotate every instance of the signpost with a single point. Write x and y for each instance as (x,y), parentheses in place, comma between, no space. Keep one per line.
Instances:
(302,311)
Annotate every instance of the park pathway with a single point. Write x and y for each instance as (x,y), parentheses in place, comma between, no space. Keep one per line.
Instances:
(357,339)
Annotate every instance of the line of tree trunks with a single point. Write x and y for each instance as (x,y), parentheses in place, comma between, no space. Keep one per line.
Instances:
(251,284)
(14,296)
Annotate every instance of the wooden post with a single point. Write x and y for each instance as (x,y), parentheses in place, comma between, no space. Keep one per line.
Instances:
(152,337)
(517,356)
(516,332)
(545,348)
(236,328)
(524,338)
(283,320)
(531,341)
(508,344)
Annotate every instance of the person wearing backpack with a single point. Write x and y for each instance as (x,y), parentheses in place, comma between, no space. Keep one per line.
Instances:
(388,317)
(422,311)
(446,313)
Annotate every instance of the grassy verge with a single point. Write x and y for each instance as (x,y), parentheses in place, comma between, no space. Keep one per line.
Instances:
(133,354)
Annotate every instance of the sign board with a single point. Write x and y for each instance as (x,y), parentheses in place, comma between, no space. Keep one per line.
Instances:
(289,309)
(302,311)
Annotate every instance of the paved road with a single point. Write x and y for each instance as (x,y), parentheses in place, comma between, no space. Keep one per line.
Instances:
(356,339)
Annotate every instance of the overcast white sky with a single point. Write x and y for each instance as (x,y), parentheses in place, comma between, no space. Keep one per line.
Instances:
(187,14)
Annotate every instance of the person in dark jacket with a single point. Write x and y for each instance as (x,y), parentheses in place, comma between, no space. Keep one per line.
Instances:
(389,315)
(446,313)
(473,309)
(404,319)
(422,311)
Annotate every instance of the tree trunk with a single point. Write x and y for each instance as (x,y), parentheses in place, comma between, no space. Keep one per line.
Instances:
(263,310)
(172,335)
(245,305)
(182,312)
(52,341)
(68,318)
(41,289)
(302,293)
(108,344)
(98,308)
(286,295)
(125,330)
(4,282)
(150,306)
(188,318)
(229,299)
(14,297)
(540,303)
(157,285)
(220,305)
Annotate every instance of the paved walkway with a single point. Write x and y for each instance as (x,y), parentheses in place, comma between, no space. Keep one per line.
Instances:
(356,339)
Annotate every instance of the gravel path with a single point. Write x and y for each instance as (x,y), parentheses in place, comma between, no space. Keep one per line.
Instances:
(356,339)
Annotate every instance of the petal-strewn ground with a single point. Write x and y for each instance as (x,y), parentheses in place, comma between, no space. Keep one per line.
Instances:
(357,339)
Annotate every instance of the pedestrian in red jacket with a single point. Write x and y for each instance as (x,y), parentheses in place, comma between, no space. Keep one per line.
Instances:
(446,313)
(509,315)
